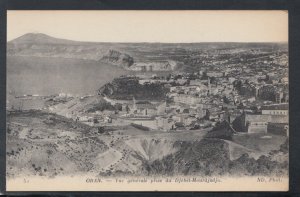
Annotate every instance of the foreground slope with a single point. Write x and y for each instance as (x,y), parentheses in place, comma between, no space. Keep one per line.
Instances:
(45,144)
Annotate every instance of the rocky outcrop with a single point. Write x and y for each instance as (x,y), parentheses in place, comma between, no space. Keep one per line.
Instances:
(118,58)
(125,88)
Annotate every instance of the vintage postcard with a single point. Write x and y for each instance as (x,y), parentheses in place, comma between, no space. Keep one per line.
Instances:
(147,101)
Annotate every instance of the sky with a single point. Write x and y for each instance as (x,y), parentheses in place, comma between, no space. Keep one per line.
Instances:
(152,26)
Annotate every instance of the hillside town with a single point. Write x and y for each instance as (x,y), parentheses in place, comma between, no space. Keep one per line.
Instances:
(181,100)
(205,109)
(250,96)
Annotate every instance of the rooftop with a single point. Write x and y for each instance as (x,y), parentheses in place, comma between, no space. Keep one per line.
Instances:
(283,106)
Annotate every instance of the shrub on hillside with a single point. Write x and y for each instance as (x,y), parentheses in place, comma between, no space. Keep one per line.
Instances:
(101,106)
(221,130)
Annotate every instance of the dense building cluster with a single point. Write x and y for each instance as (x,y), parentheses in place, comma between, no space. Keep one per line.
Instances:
(251,96)
(248,88)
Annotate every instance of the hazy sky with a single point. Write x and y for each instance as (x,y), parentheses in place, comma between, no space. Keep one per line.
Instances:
(152,26)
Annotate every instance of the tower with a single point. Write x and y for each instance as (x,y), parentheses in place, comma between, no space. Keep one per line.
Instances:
(134,104)
(209,86)
(256,91)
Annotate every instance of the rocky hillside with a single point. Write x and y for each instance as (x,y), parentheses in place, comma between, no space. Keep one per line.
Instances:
(42,45)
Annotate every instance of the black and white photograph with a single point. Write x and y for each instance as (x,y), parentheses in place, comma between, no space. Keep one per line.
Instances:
(147,100)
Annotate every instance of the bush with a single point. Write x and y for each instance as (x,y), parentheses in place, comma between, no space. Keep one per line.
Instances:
(267,93)
(221,130)
(262,166)
(101,106)
(285,146)
(141,127)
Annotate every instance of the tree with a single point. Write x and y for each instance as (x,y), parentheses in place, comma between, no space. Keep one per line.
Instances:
(267,93)
(225,100)
(213,80)
(204,76)
(237,84)
(207,114)
(127,109)
(168,77)
(118,106)
(101,130)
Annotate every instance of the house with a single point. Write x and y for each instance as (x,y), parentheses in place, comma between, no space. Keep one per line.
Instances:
(146,108)
(214,74)
(189,120)
(84,118)
(197,82)
(216,116)
(200,113)
(251,100)
(178,118)
(153,66)
(231,79)
(107,119)
(165,123)
(276,109)
(145,81)
(257,123)
(285,80)
(161,108)
(181,81)
(187,99)
(175,89)
(278,97)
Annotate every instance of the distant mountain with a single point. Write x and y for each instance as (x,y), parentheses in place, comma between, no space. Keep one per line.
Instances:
(39,38)
(42,45)
(126,55)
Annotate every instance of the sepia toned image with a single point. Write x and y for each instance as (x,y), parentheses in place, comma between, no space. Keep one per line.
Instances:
(147,101)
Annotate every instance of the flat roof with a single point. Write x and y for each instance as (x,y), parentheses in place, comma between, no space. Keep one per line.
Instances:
(283,106)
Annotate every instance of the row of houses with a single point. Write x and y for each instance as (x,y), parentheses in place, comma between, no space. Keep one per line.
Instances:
(153,66)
